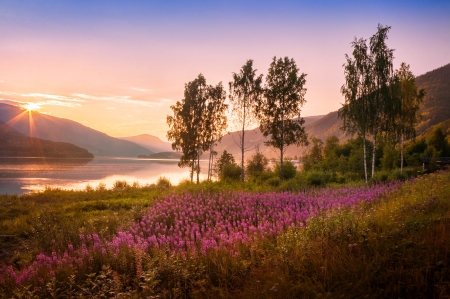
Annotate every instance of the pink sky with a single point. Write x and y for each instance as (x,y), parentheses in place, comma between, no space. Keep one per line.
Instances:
(118,68)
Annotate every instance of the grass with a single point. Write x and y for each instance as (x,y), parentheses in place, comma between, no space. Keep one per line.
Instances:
(396,247)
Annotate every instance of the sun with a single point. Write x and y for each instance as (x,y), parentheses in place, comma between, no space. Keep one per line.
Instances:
(31,106)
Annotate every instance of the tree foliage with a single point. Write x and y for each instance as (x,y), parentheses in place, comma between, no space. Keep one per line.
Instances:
(198,121)
(245,92)
(279,111)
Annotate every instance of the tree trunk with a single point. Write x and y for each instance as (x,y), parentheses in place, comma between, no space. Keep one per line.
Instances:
(401,155)
(192,169)
(242,146)
(242,143)
(198,167)
(365,160)
(281,147)
(374,152)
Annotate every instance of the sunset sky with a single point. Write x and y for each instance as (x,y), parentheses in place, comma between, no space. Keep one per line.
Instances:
(117,66)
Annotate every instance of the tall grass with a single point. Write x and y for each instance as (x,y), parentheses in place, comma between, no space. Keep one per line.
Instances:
(385,241)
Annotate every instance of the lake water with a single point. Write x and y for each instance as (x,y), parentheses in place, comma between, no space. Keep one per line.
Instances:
(22,175)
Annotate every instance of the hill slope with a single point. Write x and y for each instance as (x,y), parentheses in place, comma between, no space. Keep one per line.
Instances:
(150,142)
(16,144)
(64,130)
(436,105)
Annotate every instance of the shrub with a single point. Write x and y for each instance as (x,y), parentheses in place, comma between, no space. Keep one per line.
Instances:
(289,170)
(256,165)
(380,176)
(120,185)
(230,172)
(163,183)
(273,181)
(316,178)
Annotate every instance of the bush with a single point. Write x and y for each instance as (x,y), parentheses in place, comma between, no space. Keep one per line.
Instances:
(230,172)
(273,181)
(163,183)
(398,175)
(380,176)
(256,165)
(316,178)
(289,170)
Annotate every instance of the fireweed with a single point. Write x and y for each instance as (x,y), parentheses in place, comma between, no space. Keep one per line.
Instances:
(195,224)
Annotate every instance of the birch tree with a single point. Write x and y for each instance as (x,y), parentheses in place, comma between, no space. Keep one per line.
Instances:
(245,91)
(279,110)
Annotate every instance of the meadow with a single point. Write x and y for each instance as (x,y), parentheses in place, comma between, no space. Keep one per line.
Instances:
(219,240)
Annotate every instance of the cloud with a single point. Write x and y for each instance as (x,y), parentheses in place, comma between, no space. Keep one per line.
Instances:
(111,108)
(1,81)
(119,99)
(52,97)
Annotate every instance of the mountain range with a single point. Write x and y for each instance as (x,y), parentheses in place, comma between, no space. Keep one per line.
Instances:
(16,144)
(150,142)
(435,109)
(64,130)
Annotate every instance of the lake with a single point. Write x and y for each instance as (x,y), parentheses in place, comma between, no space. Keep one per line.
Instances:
(22,175)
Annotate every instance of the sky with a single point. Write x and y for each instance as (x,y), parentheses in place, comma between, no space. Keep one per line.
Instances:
(118,66)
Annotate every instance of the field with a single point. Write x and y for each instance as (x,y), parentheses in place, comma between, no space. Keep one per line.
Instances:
(386,240)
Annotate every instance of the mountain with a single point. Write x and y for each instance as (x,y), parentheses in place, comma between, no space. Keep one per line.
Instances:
(16,144)
(64,130)
(436,105)
(150,142)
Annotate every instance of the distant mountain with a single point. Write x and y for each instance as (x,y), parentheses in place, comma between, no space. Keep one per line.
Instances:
(150,142)
(162,155)
(15,144)
(255,138)
(64,130)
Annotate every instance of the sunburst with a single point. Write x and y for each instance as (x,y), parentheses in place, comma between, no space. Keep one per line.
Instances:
(31,106)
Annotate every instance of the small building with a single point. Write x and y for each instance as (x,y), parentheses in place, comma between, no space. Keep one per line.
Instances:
(440,162)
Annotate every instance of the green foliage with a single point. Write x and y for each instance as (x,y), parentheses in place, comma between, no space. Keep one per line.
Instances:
(230,172)
(198,122)
(437,140)
(390,158)
(289,170)
(224,159)
(317,178)
(279,110)
(256,165)
(245,93)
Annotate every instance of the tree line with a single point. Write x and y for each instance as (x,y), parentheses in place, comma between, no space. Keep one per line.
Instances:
(379,101)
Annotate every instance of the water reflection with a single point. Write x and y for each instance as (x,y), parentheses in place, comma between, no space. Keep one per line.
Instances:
(21,175)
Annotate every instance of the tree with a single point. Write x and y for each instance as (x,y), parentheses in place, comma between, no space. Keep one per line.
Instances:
(245,89)
(369,108)
(185,123)
(355,112)
(382,106)
(225,159)
(279,110)
(198,122)
(215,121)
(408,103)
(330,156)
(257,164)
(315,155)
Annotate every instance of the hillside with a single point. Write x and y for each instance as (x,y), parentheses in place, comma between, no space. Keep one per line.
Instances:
(254,138)
(65,130)
(436,105)
(150,142)
(16,144)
